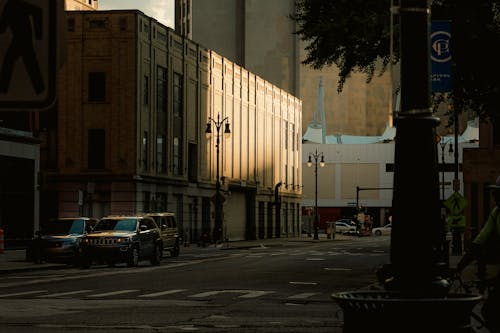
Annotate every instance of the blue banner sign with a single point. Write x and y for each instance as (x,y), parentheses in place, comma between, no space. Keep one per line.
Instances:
(441,55)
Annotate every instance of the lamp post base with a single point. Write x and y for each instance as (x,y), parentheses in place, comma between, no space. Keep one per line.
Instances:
(391,312)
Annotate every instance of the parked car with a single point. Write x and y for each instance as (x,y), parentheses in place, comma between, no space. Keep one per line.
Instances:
(345,226)
(128,239)
(382,231)
(169,233)
(59,240)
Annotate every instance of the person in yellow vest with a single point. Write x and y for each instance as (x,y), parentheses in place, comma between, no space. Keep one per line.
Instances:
(483,246)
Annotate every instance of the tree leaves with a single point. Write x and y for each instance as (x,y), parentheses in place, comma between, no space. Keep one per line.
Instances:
(355,35)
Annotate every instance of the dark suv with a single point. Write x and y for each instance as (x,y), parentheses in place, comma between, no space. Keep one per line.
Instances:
(168,231)
(123,239)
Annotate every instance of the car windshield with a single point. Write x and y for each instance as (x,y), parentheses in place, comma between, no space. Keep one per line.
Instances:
(118,225)
(64,227)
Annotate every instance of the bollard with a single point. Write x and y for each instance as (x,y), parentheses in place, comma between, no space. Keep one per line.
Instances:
(1,241)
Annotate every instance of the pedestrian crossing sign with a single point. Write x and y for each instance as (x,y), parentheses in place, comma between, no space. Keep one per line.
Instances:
(28,54)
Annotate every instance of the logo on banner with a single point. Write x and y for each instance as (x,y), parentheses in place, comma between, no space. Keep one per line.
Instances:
(441,56)
(441,46)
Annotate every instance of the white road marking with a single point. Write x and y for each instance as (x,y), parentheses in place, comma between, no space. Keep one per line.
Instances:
(64,294)
(246,293)
(315,259)
(161,293)
(303,283)
(24,293)
(302,296)
(113,293)
(337,269)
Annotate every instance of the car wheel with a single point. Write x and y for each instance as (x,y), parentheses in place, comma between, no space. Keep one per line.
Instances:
(378,233)
(133,259)
(156,256)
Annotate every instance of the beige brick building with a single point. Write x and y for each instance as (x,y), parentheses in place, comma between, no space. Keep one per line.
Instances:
(80,4)
(134,101)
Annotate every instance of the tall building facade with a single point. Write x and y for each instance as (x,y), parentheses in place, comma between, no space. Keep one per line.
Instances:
(134,102)
(259,35)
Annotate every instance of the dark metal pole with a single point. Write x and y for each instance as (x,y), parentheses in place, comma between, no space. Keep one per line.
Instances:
(455,123)
(456,232)
(316,221)
(218,199)
(416,179)
(218,203)
(442,172)
(357,199)
(316,155)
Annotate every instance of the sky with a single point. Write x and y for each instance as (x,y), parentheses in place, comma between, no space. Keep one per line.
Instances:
(161,10)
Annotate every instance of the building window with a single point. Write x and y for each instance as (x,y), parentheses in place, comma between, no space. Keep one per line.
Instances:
(123,23)
(145,149)
(97,87)
(71,24)
(96,148)
(97,24)
(177,156)
(161,85)
(177,95)
(161,155)
(146,201)
(146,90)
(161,201)
(193,162)
(285,125)
(178,113)
(286,175)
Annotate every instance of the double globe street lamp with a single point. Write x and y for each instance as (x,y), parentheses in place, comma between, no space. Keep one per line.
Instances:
(218,198)
(316,155)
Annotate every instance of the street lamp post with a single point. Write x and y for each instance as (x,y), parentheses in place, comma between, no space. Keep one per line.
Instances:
(316,155)
(218,199)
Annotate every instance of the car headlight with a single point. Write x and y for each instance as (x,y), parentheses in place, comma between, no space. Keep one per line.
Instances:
(123,240)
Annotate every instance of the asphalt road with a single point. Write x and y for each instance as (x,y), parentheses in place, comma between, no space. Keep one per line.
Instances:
(285,289)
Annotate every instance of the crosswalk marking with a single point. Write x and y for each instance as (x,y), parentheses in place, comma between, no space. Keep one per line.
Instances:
(64,294)
(246,293)
(113,293)
(302,296)
(24,293)
(303,283)
(161,293)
